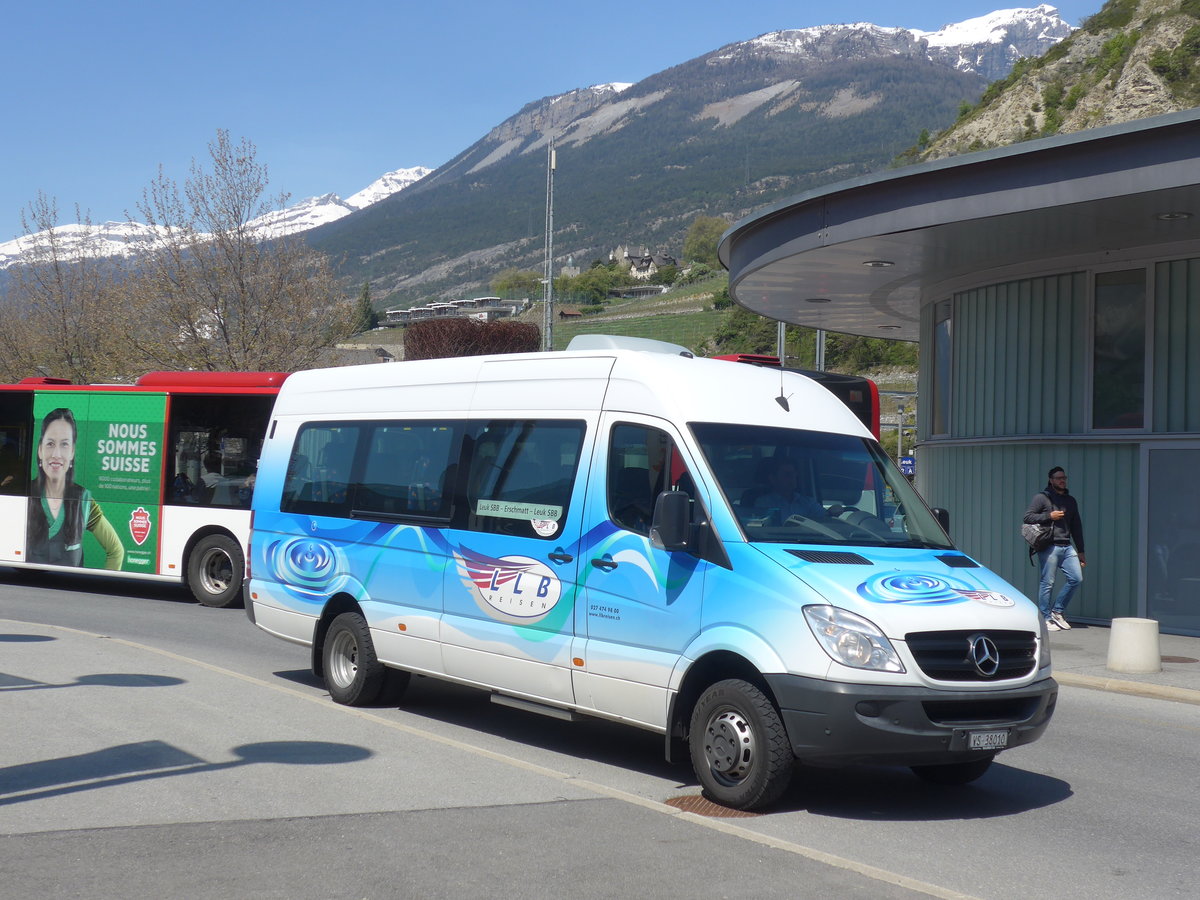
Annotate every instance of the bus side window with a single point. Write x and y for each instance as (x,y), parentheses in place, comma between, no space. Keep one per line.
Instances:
(320,487)
(521,477)
(409,470)
(642,463)
(16,410)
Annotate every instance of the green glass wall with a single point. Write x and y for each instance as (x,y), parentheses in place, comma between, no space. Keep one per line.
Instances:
(987,487)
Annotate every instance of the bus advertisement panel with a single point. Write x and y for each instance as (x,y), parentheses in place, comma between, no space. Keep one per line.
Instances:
(151,480)
(97,480)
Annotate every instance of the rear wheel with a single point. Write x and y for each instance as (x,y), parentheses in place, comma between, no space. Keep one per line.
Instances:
(739,747)
(216,569)
(354,676)
(954,773)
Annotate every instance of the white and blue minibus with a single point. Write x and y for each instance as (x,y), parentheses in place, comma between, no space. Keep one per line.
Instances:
(705,550)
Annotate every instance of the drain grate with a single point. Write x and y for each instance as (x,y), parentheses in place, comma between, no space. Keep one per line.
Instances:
(702,807)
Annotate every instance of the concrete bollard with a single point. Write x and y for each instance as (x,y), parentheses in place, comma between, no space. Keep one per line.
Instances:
(1133,647)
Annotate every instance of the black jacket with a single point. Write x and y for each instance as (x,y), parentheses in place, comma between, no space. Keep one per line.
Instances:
(1068,529)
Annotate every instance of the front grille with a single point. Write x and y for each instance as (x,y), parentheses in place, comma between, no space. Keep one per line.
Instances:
(946,655)
(981,711)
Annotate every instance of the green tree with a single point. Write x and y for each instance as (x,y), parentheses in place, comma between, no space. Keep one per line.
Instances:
(365,317)
(514,283)
(700,244)
(592,286)
(665,275)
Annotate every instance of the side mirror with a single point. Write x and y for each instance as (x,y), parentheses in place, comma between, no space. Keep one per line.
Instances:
(670,528)
(943,518)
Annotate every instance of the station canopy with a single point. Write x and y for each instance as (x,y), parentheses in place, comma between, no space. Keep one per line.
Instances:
(861,256)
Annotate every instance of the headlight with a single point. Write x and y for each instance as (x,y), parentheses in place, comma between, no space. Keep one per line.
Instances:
(851,640)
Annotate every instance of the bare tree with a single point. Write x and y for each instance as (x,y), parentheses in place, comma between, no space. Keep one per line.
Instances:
(212,293)
(61,301)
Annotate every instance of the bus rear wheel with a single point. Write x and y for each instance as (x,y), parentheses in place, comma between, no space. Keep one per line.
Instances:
(354,676)
(216,568)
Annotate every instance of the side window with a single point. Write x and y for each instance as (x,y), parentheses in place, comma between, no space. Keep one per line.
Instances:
(642,463)
(318,475)
(215,444)
(16,409)
(410,469)
(521,475)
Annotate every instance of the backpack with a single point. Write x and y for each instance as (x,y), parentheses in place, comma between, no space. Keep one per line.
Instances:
(1038,537)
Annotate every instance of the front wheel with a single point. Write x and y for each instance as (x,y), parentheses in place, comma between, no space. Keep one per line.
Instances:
(216,568)
(739,747)
(954,773)
(354,676)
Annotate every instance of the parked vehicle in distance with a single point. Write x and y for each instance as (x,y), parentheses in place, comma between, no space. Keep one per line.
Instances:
(148,480)
(674,543)
(859,393)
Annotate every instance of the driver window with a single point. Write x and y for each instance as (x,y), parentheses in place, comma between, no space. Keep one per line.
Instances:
(642,463)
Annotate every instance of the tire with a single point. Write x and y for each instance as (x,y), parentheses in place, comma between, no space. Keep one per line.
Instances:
(354,676)
(954,774)
(739,748)
(215,571)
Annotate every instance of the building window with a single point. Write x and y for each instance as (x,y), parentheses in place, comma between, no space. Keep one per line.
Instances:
(1119,350)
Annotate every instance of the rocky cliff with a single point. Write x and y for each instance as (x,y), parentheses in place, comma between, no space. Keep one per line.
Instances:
(1133,59)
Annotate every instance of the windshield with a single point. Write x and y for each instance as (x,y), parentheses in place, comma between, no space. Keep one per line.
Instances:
(809,487)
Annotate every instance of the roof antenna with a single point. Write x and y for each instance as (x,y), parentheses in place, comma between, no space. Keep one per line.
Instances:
(781,399)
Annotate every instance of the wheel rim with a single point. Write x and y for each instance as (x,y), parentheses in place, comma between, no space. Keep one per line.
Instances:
(343,659)
(216,571)
(729,746)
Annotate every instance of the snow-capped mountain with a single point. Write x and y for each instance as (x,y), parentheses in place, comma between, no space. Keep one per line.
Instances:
(391,183)
(991,44)
(102,239)
(988,45)
(125,238)
(705,112)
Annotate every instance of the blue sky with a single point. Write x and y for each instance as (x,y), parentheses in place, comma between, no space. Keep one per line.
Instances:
(334,94)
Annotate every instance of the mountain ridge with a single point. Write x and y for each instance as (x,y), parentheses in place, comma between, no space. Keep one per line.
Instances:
(723,133)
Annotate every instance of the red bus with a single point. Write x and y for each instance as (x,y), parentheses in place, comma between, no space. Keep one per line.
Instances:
(858,393)
(150,480)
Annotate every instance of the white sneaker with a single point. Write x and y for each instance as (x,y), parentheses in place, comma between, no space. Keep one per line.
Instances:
(1058,620)
(1051,625)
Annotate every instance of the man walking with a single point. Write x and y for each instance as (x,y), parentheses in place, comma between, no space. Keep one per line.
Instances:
(1055,507)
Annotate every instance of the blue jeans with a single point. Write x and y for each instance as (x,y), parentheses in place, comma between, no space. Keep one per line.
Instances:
(1050,560)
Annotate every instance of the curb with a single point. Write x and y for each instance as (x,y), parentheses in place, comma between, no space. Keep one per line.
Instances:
(1135,688)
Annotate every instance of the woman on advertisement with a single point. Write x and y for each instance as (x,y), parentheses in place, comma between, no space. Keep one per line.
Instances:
(59,508)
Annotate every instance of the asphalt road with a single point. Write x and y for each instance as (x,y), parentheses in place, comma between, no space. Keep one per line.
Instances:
(156,748)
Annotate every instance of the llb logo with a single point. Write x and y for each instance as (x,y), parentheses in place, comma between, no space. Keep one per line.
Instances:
(139,525)
(510,588)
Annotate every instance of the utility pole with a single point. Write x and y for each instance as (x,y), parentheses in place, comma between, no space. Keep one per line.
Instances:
(548,275)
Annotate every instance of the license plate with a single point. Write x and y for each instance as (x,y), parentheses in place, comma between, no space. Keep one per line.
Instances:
(987,740)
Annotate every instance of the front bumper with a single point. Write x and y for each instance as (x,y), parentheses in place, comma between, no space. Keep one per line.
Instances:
(836,722)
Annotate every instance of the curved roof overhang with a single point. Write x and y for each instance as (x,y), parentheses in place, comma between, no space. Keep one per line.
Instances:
(861,256)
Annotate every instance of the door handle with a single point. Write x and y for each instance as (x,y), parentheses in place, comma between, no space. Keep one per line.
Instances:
(561,558)
(606,562)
